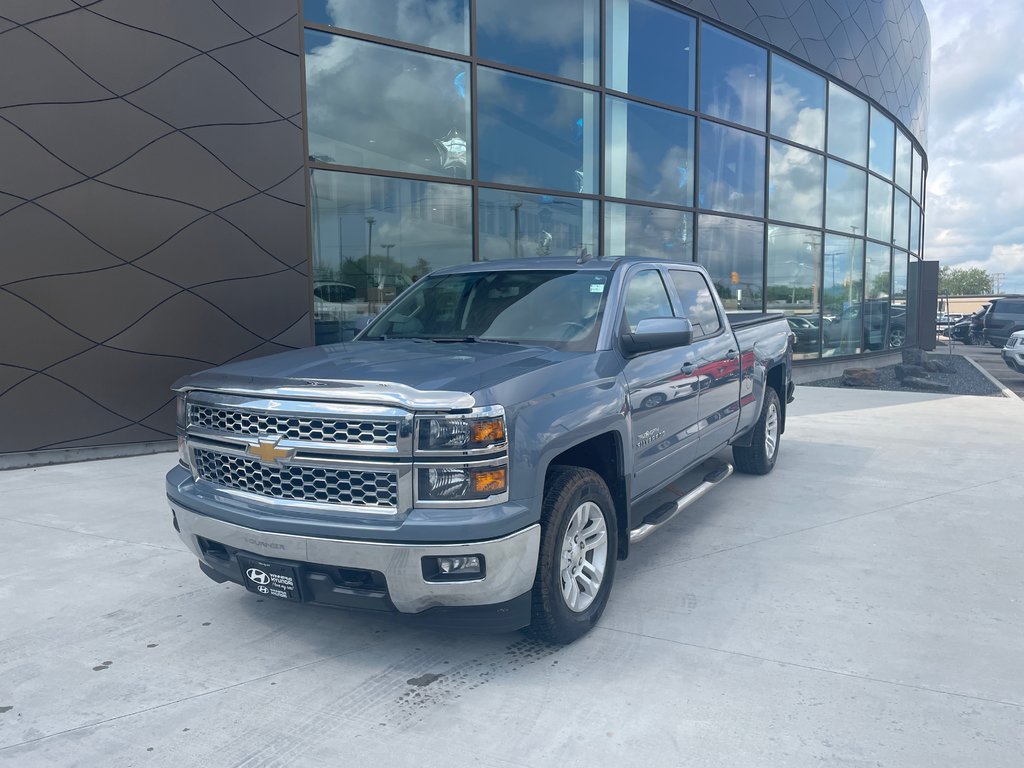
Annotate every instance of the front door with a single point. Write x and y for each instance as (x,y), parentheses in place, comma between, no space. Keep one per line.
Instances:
(663,391)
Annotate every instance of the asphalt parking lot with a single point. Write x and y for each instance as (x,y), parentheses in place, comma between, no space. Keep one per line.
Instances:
(863,605)
(989,358)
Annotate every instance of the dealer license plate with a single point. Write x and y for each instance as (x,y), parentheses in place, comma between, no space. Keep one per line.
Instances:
(268,578)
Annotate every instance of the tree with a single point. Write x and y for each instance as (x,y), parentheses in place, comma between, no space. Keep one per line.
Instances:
(964,282)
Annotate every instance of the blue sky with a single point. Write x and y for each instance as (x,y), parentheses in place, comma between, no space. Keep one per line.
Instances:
(975,192)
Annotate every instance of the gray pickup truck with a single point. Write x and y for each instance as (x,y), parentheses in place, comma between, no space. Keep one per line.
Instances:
(488,447)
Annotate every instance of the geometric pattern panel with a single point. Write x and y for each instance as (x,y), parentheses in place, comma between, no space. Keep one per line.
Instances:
(152,208)
(882,48)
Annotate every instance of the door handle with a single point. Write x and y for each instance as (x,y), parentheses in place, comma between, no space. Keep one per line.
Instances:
(731,354)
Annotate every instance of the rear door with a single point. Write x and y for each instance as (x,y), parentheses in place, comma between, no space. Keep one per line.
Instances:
(663,389)
(717,358)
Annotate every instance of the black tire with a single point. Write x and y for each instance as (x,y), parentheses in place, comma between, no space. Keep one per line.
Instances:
(759,457)
(570,490)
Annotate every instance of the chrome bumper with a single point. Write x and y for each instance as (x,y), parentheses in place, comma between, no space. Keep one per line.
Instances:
(511,562)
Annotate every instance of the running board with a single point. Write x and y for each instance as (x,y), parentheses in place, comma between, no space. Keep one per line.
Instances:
(666,512)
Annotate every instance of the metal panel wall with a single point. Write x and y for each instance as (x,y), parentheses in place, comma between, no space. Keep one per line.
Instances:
(152,208)
(880,47)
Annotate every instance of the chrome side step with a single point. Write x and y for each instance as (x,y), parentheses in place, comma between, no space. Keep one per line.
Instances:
(666,512)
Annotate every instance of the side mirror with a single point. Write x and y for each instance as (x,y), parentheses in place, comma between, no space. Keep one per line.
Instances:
(656,333)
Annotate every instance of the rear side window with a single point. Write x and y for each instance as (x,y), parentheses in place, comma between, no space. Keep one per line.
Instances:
(697,302)
(1009,308)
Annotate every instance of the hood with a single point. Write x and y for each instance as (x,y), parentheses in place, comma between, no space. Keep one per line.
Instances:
(407,372)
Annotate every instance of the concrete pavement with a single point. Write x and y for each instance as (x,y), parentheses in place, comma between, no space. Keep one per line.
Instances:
(862,605)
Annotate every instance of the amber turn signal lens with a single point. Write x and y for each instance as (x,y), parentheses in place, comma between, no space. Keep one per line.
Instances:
(488,431)
(489,481)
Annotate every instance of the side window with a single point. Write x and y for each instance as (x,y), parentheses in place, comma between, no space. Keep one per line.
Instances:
(697,302)
(645,297)
(1014,307)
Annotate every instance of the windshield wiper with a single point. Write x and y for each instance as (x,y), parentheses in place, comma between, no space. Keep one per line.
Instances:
(472,340)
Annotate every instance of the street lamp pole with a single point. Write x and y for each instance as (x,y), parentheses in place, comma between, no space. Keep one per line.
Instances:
(369,251)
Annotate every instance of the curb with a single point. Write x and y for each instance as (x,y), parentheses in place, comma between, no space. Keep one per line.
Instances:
(1007,392)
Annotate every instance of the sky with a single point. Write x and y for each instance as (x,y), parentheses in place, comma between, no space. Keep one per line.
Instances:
(975,188)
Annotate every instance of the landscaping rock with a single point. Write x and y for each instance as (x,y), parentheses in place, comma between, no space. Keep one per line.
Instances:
(925,385)
(903,371)
(939,366)
(912,356)
(860,377)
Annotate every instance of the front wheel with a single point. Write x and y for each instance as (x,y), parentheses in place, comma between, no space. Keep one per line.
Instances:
(759,457)
(578,549)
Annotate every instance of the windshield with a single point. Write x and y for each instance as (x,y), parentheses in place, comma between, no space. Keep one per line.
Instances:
(561,309)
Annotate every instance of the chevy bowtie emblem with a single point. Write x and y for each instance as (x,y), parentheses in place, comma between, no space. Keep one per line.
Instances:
(266,450)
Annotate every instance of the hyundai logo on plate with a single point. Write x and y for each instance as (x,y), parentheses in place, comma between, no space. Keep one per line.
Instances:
(257,576)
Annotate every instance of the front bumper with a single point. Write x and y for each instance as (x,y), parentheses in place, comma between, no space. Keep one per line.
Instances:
(1014,357)
(511,564)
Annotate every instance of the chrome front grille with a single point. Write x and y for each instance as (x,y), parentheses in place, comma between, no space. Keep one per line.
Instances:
(322,430)
(297,483)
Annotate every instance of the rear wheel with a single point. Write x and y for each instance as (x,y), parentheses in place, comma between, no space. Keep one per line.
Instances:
(759,457)
(578,549)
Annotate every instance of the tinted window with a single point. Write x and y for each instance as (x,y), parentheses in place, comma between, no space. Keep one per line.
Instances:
(901,220)
(536,134)
(638,230)
(518,225)
(646,297)
(440,24)
(732,251)
(698,305)
(795,182)
(877,274)
(847,125)
(883,138)
(559,37)
(842,285)
(879,209)
(844,201)
(649,153)
(733,78)
(903,160)
(731,170)
(359,98)
(650,51)
(794,274)
(1008,308)
(798,103)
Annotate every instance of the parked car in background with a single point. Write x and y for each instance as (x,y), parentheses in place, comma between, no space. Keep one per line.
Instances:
(968,330)
(1013,352)
(882,326)
(805,332)
(1004,317)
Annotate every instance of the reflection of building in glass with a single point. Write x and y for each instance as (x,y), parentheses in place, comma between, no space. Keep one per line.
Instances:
(675,136)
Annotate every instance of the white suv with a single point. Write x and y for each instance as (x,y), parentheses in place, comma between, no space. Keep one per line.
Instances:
(1013,352)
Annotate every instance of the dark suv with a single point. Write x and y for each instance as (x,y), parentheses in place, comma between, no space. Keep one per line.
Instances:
(1004,316)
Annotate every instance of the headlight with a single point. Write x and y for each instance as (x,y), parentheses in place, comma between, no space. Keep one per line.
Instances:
(179,412)
(451,484)
(480,431)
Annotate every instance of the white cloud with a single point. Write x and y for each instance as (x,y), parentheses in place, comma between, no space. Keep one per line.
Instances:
(975,200)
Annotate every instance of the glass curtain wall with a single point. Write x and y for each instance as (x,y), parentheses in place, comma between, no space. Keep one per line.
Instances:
(443,131)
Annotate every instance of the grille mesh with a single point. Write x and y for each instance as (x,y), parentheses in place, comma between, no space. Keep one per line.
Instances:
(294,427)
(310,484)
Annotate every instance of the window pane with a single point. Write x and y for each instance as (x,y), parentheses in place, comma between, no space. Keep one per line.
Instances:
(883,138)
(843,287)
(795,183)
(915,228)
(733,78)
(798,103)
(559,37)
(879,210)
(651,51)
(899,278)
(916,179)
(536,134)
(731,170)
(732,251)
(649,153)
(646,298)
(696,301)
(847,125)
(903,161)
(440,24)
(516,225)
(359,99)
(901,221)
(373,236)
(794,268)
(877,271)
(636,230)
(844,209)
